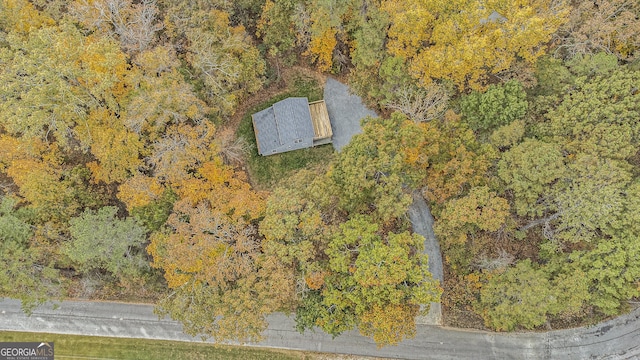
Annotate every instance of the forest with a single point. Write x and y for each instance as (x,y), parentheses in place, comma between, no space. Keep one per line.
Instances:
(125,173)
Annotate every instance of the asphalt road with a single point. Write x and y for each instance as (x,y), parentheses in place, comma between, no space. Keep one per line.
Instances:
(615,339)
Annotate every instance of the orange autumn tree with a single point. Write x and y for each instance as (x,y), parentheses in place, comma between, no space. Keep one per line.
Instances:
(209,264)
(208,255)
(461,160)
(167,115)
(139,190)
(209,244)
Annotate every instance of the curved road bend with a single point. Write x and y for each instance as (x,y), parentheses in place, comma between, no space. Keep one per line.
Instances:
(615,339)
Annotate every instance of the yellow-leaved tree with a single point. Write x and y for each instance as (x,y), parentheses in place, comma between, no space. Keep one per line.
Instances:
(21,17)
(466,42)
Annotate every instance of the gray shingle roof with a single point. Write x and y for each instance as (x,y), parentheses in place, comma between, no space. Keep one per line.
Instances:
(283,123)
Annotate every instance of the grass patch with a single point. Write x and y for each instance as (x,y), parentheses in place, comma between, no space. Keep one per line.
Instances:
(306,87)
(269,171)
(94,347)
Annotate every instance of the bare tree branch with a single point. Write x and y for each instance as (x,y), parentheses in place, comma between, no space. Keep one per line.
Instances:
(421,104)
(134,25)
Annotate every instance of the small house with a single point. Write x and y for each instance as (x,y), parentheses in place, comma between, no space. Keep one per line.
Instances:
(291,124)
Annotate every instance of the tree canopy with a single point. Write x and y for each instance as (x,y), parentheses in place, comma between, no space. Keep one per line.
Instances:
(518,120)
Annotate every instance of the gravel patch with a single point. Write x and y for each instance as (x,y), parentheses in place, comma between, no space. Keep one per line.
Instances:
(345,112)
(422,222)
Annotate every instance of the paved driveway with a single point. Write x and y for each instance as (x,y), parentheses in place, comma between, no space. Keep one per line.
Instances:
(422,223)
(345,112)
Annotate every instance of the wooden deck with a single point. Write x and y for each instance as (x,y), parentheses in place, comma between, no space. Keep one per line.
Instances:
(321,123)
